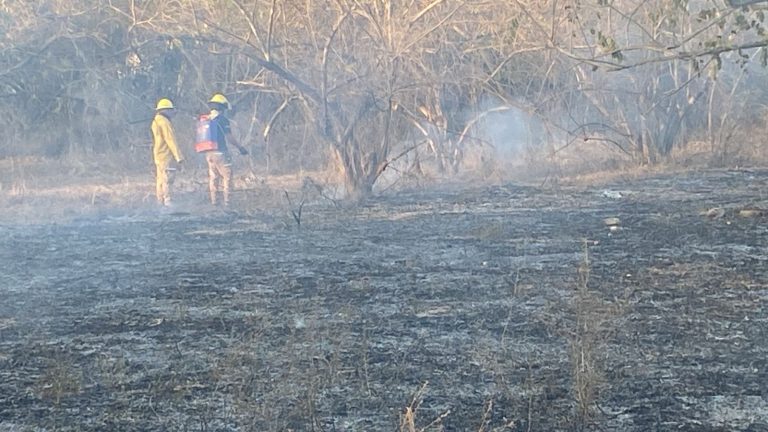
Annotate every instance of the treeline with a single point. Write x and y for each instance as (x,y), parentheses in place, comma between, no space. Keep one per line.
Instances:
(363,83)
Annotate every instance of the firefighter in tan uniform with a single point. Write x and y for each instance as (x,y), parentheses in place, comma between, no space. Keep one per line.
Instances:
(165,150)
(220,160)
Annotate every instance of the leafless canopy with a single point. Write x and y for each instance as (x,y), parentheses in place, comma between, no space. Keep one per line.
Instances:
(364,83)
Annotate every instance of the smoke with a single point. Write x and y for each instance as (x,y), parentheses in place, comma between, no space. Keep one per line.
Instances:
(510,132)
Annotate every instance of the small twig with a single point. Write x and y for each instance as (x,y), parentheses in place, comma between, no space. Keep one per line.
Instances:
(486,413)
(436,421)
(321,191)
(295,213)
(408,421)
(530,412)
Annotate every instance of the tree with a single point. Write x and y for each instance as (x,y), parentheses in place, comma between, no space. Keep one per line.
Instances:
(365,82)
(641,70)
(361,80)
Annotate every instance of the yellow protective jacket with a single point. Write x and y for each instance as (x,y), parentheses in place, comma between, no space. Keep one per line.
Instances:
(164,145)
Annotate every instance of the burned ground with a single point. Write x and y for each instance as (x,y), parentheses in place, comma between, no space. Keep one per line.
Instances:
(495,308)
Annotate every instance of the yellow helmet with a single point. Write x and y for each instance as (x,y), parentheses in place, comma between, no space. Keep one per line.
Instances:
(219,99)
(164,104)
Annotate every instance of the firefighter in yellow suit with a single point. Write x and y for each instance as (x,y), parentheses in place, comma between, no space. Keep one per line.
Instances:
(164,149)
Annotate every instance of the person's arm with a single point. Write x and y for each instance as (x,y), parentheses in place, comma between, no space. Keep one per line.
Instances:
(226,126)
(235,142)
(170,139)
(157,134)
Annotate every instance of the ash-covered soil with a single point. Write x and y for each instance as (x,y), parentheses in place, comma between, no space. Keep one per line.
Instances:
(499,308)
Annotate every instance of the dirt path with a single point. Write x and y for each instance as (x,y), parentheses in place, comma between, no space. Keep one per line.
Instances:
(517,307)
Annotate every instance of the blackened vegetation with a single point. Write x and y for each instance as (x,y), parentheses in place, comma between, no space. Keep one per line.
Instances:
(517,307)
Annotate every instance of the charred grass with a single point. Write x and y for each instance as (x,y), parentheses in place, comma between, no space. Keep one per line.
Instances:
(498,308)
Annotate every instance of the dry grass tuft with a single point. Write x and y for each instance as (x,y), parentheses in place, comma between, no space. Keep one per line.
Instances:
(595,322)
(408,417)
(61,379)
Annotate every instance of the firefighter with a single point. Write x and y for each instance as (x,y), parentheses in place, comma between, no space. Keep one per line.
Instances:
(165,150)
(220,160)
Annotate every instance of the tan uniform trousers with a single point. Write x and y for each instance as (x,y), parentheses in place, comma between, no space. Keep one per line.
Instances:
(164,177)
(219,171)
